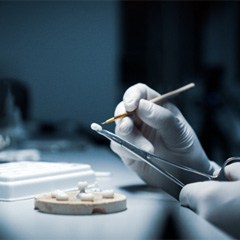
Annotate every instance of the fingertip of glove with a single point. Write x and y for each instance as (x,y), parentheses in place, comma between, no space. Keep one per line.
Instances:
(130,105)
(125,127)
(148,147)
(232,171)
(183,196)
(145,106)
(133,95)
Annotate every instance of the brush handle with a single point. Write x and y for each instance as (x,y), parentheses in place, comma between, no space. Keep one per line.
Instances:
(157,100)
(172,94)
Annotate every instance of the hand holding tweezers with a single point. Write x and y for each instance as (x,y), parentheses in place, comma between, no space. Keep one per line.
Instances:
(150,159)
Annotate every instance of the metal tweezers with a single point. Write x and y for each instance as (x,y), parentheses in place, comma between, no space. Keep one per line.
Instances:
(151,159)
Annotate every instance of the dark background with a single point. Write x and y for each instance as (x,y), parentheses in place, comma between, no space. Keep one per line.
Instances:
(76,59)
(168,44)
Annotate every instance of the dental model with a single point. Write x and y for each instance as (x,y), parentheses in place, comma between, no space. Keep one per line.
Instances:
(109,193)
(82,186)
(61,196)
(96,127)
(55,193)
(86,197)
(81,202)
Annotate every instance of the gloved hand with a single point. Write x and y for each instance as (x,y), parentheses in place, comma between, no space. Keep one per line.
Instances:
(161,130)
(217,202)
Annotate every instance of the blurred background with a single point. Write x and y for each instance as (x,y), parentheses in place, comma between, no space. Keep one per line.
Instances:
(66,64)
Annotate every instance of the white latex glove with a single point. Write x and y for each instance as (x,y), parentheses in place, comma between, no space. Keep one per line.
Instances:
(217,202)
(161,130)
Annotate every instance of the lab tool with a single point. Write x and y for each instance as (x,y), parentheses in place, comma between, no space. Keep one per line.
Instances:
(22,180)
(152,159)
(160,99)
